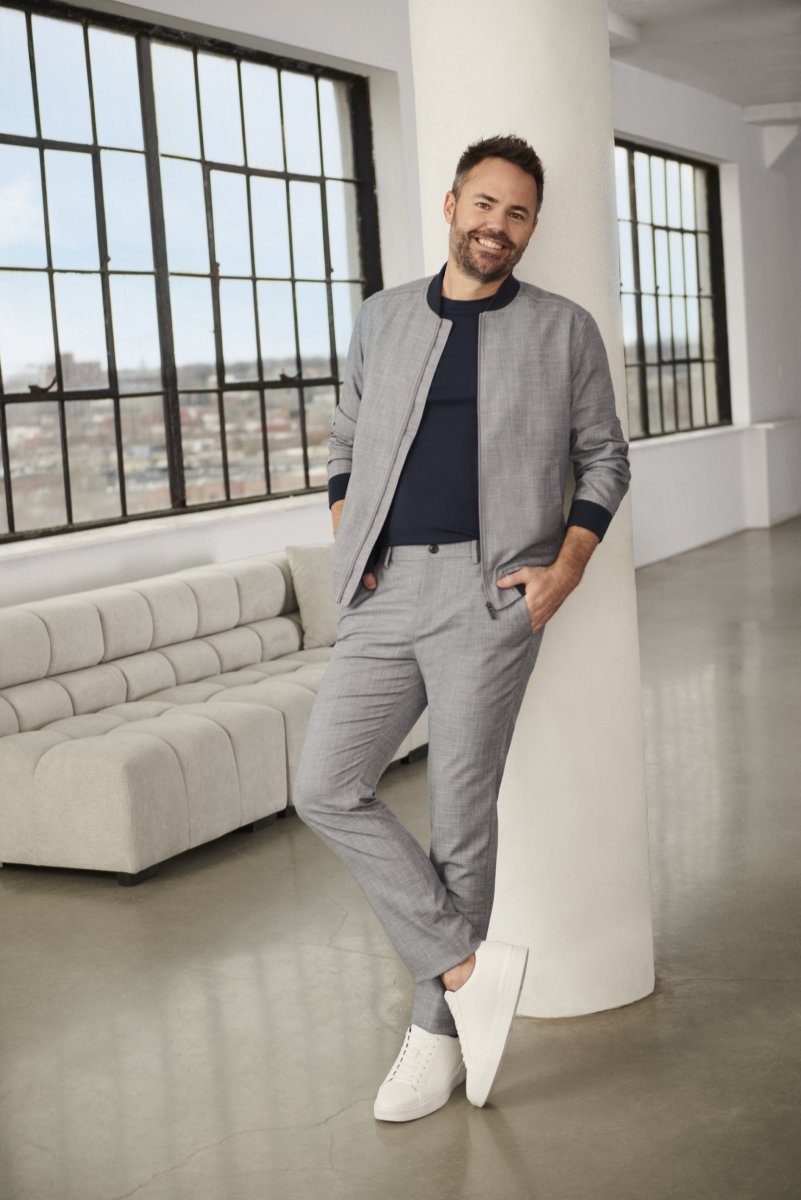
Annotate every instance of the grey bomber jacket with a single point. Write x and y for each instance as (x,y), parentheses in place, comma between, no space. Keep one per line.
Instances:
(545,400)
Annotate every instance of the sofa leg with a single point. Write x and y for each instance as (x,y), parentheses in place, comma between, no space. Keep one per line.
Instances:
(259,823)
(289,811)
(125,879)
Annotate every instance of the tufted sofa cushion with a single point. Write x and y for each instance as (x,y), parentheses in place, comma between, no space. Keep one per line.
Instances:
(139,720)
(81,653)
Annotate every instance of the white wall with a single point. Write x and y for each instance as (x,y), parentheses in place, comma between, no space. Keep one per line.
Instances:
(691,489)
(371,41)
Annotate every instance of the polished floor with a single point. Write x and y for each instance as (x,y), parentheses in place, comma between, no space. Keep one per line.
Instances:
(219,1032)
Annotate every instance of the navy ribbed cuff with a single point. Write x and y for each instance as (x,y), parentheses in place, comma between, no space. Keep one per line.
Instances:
(591,516)
(337,486)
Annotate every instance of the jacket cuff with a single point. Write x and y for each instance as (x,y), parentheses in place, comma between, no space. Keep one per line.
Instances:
(337,486)
(591,516)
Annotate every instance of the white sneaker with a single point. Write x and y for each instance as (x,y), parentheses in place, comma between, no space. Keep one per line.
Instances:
(421,1078)
(483,1009)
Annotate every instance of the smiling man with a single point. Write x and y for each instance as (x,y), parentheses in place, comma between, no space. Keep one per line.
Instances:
(466,398)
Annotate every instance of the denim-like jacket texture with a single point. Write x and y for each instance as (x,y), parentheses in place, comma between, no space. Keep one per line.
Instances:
(545,400)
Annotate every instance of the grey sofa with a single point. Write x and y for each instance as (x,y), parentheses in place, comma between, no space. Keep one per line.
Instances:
(139,720)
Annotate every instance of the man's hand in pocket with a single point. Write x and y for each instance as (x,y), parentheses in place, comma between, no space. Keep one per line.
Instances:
(369,580)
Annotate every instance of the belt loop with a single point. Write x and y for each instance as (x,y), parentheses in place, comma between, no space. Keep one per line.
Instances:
(476,551)
(387,556)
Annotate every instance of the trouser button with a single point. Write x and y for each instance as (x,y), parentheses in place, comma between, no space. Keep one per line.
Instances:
(433,548)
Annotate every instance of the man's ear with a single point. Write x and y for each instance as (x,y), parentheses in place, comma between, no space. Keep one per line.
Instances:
(449,206)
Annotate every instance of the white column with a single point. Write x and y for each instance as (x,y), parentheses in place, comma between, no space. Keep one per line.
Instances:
(573,878)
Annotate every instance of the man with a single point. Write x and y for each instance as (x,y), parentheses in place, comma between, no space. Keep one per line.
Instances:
(465,399)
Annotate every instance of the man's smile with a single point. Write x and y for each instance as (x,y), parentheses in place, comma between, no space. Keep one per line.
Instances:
(488,243)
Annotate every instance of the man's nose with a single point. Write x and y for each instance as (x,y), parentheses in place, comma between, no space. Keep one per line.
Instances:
(504,226)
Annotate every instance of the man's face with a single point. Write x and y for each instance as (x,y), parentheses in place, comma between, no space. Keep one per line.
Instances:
(492,220)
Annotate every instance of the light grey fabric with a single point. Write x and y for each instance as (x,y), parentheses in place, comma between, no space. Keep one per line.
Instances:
(217,598)
(24,646)
(192,660)
(126,621)
(138,710)
(264,588)
(20,755)
(188,693)
(279,636)
(86,725)
(112,801)
(541,408)
(93,688)
(236,678)
(146,673)
(256,734)
(8,718)
(101,792)
(75,633)
(38,703)
(294,701)
(173,607)
(423,636)
(310,675)
(311,574)
(236,648)
(319,654)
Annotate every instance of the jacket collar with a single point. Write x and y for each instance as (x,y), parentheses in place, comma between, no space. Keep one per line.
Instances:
(504,295)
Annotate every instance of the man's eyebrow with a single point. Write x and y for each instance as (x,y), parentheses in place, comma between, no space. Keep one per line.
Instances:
(494,200)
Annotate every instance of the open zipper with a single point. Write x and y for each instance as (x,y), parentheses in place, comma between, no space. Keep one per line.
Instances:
(382,489)
(490,606)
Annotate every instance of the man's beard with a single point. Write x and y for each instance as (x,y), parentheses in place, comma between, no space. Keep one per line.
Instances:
(462,247)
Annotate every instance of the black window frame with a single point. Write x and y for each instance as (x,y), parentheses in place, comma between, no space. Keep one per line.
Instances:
(371,275)
(720,356)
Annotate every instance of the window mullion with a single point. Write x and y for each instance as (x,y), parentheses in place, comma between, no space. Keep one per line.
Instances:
(700,300)
(364,170)
(217,315)
(291,251)
(169,374)
(59,380)
(670,303)
(215,285)
(6,467)
(248,199)
(105,287)
(635,250)
(718,295)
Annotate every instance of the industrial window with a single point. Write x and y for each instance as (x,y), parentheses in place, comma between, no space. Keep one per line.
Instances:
(672,292)
(187,229)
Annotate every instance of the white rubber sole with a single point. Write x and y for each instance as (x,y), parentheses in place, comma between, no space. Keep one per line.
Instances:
(510,985)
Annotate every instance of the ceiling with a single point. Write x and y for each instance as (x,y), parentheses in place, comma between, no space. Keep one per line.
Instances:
(745,51)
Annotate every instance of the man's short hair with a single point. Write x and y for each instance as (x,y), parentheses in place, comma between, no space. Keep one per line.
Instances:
(508,147)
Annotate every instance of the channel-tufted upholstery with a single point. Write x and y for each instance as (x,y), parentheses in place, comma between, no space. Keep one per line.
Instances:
(142,719)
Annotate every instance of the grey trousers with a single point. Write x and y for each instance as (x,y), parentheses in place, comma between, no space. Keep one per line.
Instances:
(423,637)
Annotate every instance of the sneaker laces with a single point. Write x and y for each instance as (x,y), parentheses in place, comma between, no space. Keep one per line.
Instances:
(412,1060)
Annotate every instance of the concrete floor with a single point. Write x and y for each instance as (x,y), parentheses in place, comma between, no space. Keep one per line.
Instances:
(219,1032)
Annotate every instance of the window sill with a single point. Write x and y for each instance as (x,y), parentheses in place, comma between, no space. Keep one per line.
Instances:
(663,440)
(113,535)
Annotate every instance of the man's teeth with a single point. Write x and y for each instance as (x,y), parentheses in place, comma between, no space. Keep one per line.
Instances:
(492,245)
